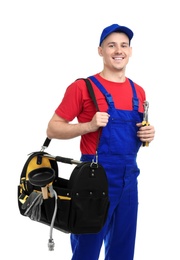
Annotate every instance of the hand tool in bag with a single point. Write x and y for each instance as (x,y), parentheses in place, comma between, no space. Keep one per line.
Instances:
(145,119)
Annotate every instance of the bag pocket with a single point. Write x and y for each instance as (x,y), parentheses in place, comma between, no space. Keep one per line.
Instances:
(63,213)
(88,212)
(63,209)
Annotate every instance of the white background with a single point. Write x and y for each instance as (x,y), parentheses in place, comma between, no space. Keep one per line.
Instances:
(44,46)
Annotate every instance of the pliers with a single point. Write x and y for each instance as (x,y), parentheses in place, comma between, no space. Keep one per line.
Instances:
(145,119)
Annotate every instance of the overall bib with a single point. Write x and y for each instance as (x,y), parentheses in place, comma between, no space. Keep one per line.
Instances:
(117,152)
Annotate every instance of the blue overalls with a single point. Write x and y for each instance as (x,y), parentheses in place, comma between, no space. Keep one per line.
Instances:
(117,152)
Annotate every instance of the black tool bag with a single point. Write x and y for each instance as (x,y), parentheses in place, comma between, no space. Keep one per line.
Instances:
(76,205)
(81,201)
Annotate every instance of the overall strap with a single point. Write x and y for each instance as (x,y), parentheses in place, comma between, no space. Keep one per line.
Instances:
(108,96)
(135,99)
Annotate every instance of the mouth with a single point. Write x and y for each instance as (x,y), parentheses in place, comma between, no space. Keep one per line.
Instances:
(118,58)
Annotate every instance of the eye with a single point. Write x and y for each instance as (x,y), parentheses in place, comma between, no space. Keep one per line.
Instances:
(125,45)
(111,45)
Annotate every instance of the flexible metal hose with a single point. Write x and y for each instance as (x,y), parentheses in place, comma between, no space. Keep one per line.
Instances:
(51,241)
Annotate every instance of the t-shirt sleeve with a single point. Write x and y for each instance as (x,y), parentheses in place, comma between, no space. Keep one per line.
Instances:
(72,102)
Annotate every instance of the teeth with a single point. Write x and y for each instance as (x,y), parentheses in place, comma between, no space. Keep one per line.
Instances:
(118,58)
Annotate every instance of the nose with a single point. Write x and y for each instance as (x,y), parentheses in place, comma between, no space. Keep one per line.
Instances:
(118,49)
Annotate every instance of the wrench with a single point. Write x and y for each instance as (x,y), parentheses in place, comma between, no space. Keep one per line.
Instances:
(145,119)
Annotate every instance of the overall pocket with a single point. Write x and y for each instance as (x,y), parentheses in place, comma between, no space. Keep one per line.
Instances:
(123,137)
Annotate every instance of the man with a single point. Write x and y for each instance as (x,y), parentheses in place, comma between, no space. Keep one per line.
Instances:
(118,124)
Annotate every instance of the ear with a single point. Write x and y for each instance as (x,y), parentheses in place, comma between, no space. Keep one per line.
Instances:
(100,51)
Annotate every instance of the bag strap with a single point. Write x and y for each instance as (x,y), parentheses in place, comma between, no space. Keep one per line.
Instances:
(45,144)
(91,92)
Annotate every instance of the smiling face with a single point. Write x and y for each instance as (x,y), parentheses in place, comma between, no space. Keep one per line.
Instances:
(115,51)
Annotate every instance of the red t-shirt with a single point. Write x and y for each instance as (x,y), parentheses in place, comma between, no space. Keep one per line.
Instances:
(77,103)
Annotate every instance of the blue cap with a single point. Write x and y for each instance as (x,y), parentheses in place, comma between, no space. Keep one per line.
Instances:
(115,28)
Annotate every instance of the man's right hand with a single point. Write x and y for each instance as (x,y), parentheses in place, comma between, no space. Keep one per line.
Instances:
(100,119)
